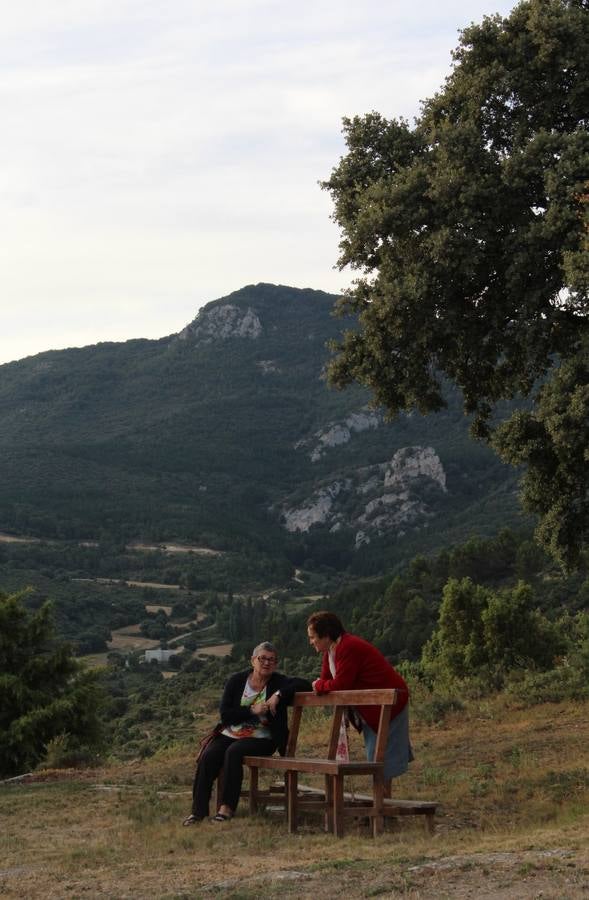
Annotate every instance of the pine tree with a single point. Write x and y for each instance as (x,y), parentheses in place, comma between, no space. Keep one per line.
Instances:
(43,691)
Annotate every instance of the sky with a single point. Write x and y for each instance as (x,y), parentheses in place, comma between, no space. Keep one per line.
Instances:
(156,156)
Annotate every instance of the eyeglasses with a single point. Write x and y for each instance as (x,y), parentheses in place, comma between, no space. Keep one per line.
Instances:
(267,659)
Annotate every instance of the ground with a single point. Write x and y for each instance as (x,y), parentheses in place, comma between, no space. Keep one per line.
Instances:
(513,787)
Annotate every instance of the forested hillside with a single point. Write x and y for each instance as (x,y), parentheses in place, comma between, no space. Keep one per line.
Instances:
(226,436)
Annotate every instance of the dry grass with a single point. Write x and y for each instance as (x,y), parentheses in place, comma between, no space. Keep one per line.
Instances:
(513,786)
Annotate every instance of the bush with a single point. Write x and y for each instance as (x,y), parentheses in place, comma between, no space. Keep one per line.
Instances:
(435,710)
(562,683)
(65,752)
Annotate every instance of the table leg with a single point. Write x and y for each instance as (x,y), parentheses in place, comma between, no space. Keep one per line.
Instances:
(253,797)
(338,805)
(329,804)
(291,782)
(378,792)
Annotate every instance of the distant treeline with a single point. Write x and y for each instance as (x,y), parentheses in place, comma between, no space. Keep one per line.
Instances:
(399,613)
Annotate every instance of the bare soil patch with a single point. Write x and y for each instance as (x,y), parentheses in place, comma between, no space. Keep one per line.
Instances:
(155,607)
(142,584)
(216,650)
(154,584)
(13,539)
(174,548)
(131,639)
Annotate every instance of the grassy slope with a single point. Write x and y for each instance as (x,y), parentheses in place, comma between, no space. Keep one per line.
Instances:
(513,786)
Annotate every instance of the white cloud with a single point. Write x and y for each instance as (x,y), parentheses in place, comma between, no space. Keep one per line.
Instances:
(156,156)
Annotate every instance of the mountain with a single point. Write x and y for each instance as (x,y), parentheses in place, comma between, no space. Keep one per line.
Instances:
(226,434)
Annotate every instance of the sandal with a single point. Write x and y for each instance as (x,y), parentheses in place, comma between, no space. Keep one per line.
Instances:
(191,820)
(221,817)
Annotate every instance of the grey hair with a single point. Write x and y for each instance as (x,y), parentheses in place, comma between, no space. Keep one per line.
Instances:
(265,645)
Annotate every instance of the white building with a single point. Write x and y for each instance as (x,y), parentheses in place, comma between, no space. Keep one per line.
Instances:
(160,656)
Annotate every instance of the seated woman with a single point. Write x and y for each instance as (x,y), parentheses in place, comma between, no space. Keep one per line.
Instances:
(254,723)
(351,663)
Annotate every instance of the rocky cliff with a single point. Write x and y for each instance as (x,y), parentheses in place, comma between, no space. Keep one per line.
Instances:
(374,500)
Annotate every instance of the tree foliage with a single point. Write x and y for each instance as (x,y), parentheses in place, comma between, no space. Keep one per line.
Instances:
(470,233)
(43,694)
(488,633)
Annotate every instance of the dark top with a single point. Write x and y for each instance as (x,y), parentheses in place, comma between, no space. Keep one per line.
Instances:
(232,713)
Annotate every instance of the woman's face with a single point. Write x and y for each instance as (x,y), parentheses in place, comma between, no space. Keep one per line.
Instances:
(264,664)
(320,644)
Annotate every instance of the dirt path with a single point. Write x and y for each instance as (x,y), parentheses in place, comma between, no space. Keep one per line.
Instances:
(12,539)
(174,548)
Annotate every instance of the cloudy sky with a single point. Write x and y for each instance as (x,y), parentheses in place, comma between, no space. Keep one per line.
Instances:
(156,156)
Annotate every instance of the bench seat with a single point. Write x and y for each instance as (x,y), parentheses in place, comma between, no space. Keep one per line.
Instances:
(313,766)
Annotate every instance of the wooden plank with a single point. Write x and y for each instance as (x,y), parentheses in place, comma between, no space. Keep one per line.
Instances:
(422,806)
(382,736)
(348,698)
(294,731)
(361,804)
(313,766)
(336,722)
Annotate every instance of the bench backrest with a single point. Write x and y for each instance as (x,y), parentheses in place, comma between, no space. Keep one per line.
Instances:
(386,698)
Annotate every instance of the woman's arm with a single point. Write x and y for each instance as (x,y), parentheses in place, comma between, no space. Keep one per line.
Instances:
(283,689)
(347,664)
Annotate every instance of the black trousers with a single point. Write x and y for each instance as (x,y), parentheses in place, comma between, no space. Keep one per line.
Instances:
(225,753)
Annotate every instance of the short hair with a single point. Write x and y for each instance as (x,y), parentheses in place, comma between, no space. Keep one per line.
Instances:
(326,624)
(267,646)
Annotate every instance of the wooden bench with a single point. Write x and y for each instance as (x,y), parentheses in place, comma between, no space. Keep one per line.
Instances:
(332,801)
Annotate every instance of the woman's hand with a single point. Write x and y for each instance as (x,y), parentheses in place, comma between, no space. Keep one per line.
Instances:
(273,703)
(259,709)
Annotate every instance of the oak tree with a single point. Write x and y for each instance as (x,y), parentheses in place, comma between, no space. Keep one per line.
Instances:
(469,232)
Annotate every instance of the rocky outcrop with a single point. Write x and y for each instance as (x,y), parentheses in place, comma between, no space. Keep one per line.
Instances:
(375,500)
(223,322)
(268,366)
(317,510)
(339,433)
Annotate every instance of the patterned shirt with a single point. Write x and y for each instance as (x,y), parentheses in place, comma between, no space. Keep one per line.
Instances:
(250,729)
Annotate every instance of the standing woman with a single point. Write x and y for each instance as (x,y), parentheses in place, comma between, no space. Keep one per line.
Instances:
(253,723)
(351,663)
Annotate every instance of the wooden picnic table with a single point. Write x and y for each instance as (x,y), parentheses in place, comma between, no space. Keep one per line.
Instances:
(333,801)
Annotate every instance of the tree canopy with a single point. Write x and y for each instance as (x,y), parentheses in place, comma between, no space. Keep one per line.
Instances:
(469,231)
(489,633)
(42,692)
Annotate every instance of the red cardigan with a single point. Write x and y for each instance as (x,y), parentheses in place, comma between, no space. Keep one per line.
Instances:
(358,666)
